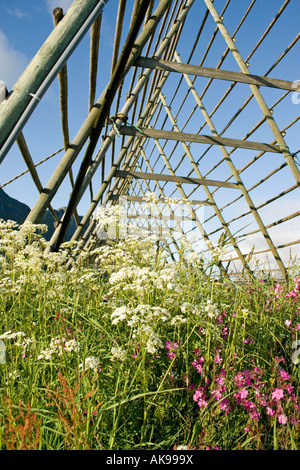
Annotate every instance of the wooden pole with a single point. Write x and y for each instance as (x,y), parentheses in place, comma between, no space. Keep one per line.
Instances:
(88,125)
(140,42)
(58,15)
(175,179)
(42,70)
(117,77)
(201,139)
(256,92)
(159,64)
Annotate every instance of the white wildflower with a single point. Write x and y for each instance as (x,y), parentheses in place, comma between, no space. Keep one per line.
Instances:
(91,362)
(46,354)
(211,309)
(10,335)
(118,353)
(119,314)
(58,346)
(178,319)
(187,307)
(70,345)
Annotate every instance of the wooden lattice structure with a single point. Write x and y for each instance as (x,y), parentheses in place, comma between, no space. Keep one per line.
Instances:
(194,109)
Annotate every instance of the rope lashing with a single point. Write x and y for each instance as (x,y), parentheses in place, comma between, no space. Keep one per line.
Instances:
(112,121)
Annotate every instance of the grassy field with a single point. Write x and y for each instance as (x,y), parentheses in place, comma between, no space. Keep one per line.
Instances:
(128,350)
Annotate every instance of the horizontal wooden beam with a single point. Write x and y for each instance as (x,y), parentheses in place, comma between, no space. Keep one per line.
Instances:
(201,139)
(175,179)
(239,77)
(116,197)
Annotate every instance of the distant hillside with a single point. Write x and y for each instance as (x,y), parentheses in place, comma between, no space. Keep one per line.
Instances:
(12,209)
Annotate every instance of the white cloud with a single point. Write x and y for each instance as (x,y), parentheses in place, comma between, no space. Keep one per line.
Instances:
(64,4)
(18,13)
(12,62)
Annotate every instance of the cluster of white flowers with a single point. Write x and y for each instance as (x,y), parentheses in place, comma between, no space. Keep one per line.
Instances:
(92,363)
(152,198)
(120,314)
(208,309)
(143,319)
(12,335)
(188,308)
(151,339)
(20,339)
(24,343)
(211,309)
(117,352)
(217,251)
(111,222)
(58,346)
(139,280)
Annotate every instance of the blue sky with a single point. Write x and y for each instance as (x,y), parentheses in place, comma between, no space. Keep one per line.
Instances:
(26,24)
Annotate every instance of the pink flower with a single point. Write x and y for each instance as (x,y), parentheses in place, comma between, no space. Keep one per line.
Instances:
(270,412)
(277,394)
(278,288)
(282,419)
(283,375)
(197,363)
(239,380)
(288,322)
(241,395)
(171,347)
(199,397)
(216,394)
(248,341)
(220,381)
(218,359)
(255,415)
(224,406)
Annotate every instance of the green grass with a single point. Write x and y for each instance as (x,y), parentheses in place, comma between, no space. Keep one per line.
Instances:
(128,350)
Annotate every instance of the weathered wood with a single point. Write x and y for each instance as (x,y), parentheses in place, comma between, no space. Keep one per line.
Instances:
(88,126)
(259,98)
(201,139)
(159,64)
(94,53)
(41,71)
(31,168)
(146,33)
(114,83)
(62,77)
(175,179)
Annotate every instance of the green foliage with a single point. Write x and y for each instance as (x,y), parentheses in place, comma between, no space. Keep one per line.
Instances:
(129,350)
